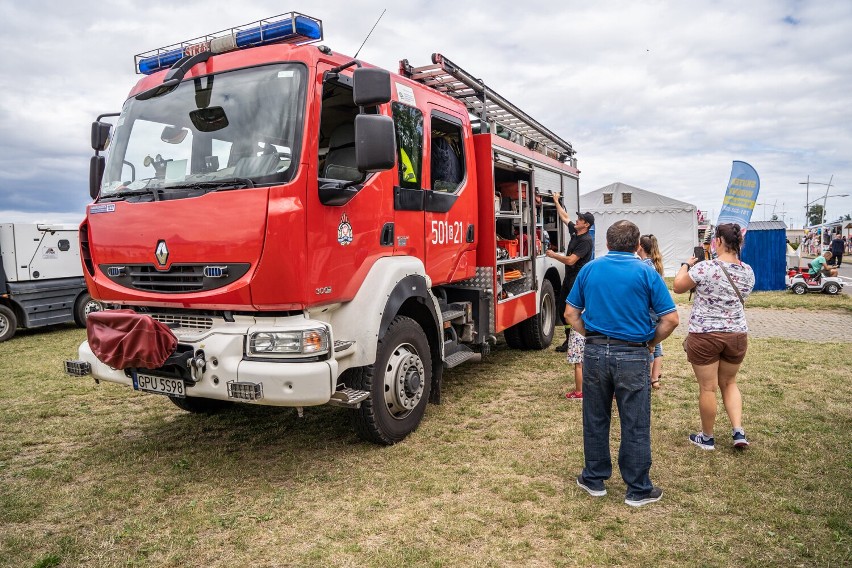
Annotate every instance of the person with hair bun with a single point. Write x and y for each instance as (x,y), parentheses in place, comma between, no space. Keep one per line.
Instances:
(718,333)
(649,252)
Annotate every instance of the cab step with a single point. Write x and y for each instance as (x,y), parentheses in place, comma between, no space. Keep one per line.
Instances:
(349,398)
(452,314)
(462,353)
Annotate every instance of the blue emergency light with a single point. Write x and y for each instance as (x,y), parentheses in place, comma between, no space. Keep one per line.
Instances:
(292,28)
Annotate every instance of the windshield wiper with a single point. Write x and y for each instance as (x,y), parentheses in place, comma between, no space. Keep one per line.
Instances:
(133,193)
(233,183)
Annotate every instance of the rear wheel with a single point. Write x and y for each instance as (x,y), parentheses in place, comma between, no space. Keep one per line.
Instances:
(799,288)
(8,323)
(514,337)
(537,331)
(399,383)
(84,306)
(832,288)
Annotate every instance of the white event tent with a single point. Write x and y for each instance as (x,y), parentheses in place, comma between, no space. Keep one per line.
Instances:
(673,222)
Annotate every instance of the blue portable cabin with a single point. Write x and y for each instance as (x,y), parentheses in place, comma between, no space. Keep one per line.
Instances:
(765,250)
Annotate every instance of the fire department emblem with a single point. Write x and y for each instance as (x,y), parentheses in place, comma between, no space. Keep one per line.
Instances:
(344,231)
(161,253)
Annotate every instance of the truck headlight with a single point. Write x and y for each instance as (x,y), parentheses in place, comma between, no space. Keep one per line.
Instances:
(283,343)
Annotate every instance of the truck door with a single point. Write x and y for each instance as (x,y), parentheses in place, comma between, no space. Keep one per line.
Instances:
(408,191)
(450,198)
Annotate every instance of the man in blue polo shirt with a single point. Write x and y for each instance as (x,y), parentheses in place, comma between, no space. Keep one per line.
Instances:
(609,305)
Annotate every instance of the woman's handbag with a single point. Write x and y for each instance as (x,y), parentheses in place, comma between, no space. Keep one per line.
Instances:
(734,286)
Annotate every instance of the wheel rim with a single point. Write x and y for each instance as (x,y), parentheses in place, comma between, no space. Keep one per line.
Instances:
(4,324)
(547,310)
(832,289)
(405,379)
(799,289)
(91,307)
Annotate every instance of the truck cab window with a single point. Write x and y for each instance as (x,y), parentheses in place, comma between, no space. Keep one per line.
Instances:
(409,142)
(337,134)
(447,156)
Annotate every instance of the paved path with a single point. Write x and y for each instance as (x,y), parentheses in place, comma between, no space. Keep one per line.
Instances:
(802,325)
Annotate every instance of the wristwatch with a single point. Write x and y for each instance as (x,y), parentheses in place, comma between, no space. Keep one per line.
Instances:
(686,264)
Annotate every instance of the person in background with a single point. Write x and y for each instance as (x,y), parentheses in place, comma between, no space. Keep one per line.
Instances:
(609,305)
(837,248)
(717,338)
(578,252)
(819,265)
(649,252)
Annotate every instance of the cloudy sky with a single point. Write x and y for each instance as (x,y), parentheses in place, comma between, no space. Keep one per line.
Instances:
(662,95)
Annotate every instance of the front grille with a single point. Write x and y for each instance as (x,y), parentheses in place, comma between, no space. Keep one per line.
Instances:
(179,278)
(183,321)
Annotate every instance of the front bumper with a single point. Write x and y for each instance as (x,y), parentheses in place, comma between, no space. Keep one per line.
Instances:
(283,382)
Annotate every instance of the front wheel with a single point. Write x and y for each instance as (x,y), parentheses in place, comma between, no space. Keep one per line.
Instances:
(84,306)
(8,323)
(832,288)
(799,289)
(399,383)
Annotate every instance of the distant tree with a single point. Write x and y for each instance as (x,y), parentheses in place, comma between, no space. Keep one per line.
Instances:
(815,215)
(847,217)
(774,218)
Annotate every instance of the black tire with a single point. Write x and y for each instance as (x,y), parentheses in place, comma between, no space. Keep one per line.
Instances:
(399,383)
(83,307)
(537,331)
(799,289)
(200,405)
(831,288)
(8,323)
(514,337)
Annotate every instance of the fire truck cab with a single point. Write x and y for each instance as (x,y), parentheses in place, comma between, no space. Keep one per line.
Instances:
(315,230)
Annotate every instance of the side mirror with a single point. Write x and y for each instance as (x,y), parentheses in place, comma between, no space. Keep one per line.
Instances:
(375,143)
(96,173)
(100,135)
(371,86)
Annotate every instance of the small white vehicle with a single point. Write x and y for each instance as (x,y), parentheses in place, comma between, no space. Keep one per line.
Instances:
(800,282)
(41,277)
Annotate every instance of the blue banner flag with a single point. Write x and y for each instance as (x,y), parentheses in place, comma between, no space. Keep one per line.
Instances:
(741,195)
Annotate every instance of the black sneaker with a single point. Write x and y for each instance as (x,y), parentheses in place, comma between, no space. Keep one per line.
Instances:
(651,496)
(702,441)
(564,347)
(740,440)
(593,492)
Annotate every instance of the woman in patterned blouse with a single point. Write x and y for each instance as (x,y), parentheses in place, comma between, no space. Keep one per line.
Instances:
(718,334)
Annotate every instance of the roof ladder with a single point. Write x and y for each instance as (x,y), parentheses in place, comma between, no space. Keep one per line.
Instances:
(496,114)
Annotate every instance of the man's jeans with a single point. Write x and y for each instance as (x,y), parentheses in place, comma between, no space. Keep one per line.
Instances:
(623,371)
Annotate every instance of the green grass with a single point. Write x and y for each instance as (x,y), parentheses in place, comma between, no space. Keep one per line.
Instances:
(98,475)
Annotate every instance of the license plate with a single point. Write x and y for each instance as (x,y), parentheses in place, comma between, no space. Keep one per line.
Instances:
(159,385)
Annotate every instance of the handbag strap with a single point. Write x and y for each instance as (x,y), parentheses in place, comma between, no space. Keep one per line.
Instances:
(734,286)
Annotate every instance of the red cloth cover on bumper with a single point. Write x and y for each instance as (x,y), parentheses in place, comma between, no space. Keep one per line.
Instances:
(123,338)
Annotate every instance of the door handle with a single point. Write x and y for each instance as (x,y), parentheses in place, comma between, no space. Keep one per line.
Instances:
(470,233)
(386,239)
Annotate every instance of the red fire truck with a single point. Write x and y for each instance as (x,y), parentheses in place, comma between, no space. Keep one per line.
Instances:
(311,229)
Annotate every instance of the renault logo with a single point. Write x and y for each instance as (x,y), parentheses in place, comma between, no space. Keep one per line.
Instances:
(162,253)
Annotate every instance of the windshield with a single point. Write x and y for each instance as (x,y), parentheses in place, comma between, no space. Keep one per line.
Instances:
(234,129)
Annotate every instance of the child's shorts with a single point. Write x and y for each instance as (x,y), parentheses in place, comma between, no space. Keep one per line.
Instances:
(576,347)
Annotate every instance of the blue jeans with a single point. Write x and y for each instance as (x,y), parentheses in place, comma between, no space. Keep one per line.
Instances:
(623,371)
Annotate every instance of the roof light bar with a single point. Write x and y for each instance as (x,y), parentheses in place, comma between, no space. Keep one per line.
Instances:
(291,27)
